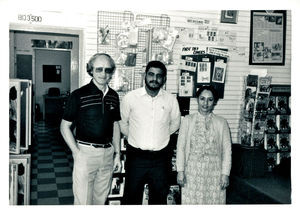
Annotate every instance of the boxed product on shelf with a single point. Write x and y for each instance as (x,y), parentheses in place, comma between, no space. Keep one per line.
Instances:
(262,102)
(282,104)
(284,142)
(272,160)
(258,139)
(271,142)
(283,123)
(271,124)
(272,105)
(284,155)
(264,84)
(259,125)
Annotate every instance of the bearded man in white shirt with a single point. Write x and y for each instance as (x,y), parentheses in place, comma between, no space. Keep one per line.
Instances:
(149,116)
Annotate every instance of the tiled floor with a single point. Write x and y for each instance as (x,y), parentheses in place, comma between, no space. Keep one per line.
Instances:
(52,162)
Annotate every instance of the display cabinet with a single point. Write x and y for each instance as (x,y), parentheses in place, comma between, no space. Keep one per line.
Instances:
(19,179)
(277,135)
(20,115)
(20,127)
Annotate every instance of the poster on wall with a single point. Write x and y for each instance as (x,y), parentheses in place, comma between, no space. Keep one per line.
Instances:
(267,37)
(219,72)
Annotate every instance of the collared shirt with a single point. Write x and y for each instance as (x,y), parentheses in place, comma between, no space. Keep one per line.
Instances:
(149,121)
(93,113)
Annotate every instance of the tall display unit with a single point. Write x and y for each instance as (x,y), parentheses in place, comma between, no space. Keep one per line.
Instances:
(278,128)
(20,127)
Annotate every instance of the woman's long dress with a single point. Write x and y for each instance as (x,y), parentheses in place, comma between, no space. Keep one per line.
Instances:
(203,170)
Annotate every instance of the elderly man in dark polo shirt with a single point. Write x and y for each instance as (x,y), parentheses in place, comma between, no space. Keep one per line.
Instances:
(94,112)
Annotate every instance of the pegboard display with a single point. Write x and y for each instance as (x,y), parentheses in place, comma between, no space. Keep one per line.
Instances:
(112,25)
(151,22)
(146,48)
(109,26)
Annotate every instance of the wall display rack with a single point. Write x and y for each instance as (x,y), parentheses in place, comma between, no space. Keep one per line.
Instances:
(128,40)
(278,129)
(204,69)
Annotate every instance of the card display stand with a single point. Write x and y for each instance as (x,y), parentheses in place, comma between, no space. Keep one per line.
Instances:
(278,128)
(265,120)
(254,111)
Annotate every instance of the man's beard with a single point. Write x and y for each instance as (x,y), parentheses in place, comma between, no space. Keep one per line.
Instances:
(153,88)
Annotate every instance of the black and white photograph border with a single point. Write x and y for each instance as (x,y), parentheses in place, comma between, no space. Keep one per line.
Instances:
(85,6)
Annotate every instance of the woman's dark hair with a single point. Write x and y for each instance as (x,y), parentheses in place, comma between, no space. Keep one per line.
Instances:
(157,64)
(90,64)
(210,88)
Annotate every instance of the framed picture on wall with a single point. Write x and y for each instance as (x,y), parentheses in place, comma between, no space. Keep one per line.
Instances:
(229,16)
(267,37)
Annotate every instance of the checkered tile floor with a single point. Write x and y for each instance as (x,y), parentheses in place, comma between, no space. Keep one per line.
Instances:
(51,167)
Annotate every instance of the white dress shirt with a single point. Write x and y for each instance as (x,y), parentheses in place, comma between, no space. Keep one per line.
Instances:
(149,121)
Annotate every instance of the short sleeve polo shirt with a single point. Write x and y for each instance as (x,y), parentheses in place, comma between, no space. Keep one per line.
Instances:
(92,114)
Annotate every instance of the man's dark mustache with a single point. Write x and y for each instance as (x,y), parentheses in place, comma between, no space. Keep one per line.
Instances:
(153,82)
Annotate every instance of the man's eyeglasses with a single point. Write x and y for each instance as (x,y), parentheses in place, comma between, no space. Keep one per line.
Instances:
(107,70)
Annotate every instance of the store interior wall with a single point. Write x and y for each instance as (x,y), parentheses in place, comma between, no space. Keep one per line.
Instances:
(237,67)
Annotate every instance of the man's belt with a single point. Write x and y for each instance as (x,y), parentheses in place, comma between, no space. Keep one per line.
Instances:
(107,145)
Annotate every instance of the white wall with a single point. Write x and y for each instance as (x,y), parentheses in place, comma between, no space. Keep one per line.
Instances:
(237,67)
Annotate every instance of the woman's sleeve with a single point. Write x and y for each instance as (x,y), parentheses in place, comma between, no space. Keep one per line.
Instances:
(181,142)
(226,149)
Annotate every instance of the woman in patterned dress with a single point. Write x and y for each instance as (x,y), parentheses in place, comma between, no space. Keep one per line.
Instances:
(204,153)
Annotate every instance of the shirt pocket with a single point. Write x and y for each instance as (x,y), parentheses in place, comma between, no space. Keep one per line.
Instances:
(162,113)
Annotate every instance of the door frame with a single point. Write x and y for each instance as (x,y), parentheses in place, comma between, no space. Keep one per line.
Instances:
(76,77)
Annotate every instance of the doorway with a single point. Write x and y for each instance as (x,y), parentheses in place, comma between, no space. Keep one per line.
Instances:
(52,71)
(23,59)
